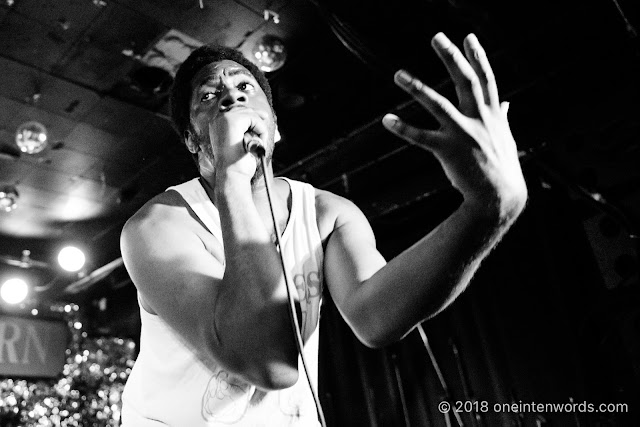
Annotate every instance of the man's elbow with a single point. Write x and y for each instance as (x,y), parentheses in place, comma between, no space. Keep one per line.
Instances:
(251,352)
(378,332)
(381,341)
(275,376)
(266,372)
(376,339)
(375,343)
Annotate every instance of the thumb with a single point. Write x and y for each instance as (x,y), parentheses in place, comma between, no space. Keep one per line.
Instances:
(425,139)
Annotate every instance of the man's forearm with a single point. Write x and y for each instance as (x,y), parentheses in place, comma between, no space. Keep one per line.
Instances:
(427,277)
(251,317)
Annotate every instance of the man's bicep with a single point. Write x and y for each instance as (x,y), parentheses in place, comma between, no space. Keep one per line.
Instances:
(176,276)
(351,258)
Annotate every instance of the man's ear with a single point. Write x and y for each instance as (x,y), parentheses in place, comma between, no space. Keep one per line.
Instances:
(191,144)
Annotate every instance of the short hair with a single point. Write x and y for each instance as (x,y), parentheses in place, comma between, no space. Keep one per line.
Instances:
(201,57)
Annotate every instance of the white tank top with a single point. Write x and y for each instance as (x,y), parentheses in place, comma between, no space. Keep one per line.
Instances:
(169,385)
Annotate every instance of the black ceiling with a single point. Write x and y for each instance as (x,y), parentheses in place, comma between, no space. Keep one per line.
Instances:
(569,69)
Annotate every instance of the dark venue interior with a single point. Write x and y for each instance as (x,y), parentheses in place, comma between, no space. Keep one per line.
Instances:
(552,316)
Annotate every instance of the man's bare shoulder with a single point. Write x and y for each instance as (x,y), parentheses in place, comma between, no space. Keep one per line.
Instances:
(333,211)
(166,208)
(169,216)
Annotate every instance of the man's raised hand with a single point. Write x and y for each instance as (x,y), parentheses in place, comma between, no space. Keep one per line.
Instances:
(474,143)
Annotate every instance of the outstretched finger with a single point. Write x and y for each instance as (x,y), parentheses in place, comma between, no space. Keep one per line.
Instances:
(426,139)
(504,107)
(478,59)
(441,108)
(462,73)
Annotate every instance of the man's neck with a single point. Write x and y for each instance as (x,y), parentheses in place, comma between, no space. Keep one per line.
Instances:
(279,193)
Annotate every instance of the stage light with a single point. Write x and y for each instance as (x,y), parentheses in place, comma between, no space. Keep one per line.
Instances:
(269,53)
(71,258)
(14,291)
(31,137)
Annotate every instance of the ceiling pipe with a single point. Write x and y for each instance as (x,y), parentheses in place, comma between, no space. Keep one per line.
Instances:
(338,142)
(521,87)
(334,146)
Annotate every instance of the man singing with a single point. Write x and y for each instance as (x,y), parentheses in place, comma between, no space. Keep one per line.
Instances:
(217,346)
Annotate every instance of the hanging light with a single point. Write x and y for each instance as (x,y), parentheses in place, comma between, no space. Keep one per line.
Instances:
(31,137)
(269,53)
(8,198)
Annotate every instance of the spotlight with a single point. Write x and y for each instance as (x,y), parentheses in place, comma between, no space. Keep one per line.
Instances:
(14,291)
(71,258)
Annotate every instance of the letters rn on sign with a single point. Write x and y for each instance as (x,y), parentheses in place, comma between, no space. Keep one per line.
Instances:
(31,347)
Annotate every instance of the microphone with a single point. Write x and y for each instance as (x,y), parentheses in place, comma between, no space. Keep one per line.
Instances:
(254,145)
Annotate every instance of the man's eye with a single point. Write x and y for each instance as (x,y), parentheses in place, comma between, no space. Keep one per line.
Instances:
(207,96)
(244,86)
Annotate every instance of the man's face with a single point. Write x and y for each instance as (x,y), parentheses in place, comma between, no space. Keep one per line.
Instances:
(219,87)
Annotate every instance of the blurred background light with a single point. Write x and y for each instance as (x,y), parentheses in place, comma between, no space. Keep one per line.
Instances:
(71,258)
(14,291)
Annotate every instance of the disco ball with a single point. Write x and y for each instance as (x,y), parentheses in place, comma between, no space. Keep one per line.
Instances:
(8,198)
(269,53)
(31,137)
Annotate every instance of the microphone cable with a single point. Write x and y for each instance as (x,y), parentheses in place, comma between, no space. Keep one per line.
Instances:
(254,146)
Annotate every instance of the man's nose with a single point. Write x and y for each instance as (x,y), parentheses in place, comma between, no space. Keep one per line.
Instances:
(231,97)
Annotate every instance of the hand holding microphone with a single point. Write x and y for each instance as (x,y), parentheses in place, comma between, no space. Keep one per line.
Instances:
(254,138)
(232,136)
(254,145)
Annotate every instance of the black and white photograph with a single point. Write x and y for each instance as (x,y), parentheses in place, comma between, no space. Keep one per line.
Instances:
(312,213)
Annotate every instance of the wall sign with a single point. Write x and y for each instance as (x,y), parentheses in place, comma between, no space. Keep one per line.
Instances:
(32,348)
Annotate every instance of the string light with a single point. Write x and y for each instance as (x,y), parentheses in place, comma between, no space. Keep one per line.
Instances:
(89,390)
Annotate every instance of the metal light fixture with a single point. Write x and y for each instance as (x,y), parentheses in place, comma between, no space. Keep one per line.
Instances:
(8,198)
(31,137)
(269,53)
